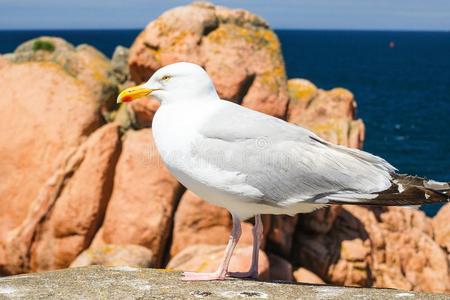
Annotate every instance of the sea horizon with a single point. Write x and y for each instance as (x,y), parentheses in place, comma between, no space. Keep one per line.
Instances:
(275,29)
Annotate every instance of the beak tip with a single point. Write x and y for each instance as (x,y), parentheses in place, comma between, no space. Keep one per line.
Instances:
(132,93)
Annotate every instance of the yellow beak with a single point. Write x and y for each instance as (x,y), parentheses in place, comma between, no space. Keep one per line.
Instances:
(132,93)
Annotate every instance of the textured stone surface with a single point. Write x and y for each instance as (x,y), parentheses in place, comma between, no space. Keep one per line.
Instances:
(64,216)
(119,64)
(319,221)
(142,112)
(133,283)
(207,258)
(30,159)
(238,49)
(84,62)
(115,255)
(198,222)
(441,228)
(280,269)
(306,276)
(143,199)
(330,114)
(27,161)
(78,212)
(281,233)
(381,247)
(3,61)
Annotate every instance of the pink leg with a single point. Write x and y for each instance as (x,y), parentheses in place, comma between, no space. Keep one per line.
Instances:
(223,269)
(257,237)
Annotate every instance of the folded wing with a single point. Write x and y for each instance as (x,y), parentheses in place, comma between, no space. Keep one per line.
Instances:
(288,164)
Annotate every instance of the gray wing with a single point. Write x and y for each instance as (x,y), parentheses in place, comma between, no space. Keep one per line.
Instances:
(287,163)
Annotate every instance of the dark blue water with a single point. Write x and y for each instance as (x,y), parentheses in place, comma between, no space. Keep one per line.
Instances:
(403,93)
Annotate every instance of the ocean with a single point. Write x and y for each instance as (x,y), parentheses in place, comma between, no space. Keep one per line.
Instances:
(401,81)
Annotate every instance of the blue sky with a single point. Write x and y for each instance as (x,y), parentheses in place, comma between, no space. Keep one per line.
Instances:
(306,14)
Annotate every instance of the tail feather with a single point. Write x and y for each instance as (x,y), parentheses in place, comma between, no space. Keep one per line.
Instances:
(405,190)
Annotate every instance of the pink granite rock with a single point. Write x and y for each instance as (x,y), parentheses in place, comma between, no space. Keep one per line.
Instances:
(143,199)
(330,114)
(238,50)
(305,276)
(115,255)
(381,247)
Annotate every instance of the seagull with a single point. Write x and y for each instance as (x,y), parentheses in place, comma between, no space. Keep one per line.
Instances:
(251,163)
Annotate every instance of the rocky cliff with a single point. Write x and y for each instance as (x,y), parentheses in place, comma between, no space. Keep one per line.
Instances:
(82,183)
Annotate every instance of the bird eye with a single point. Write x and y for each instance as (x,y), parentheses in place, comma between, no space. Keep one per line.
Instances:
(166,77)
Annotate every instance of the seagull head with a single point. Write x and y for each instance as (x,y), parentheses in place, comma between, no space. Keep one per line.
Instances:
(178,82)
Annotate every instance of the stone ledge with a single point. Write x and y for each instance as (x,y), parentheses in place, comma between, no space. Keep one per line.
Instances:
(96,282)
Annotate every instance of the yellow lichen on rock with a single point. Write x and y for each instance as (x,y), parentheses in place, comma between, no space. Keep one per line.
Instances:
(84,62)
(301,90)
(330,114)
(237,48)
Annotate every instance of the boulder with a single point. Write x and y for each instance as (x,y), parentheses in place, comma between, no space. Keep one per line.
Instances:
(119,64)
(63,217)
(142,112)
(280,234)
(280,269)
(80,207)
(3,61)
(330,114)
(198,222)
(39,99)
(381,247)
(238,50)
(207,258)
(143,199)
(321,220)
(305,276)
(441,228)
(83,62)
(135,115)
(115,255)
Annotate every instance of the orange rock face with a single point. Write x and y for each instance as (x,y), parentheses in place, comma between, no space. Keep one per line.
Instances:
(441,228)
(280,269)
(51,99)
(68,209)
(143,111)
(143,199)
(238,49)
(81,205)
(115,255)
(280,234)
(36,144)
(391,247)
(320,221)
(330,114)
(305,276)
(198,222)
